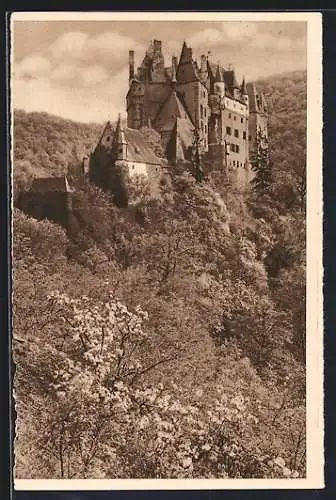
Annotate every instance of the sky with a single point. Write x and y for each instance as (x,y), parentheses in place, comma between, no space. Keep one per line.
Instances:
(79,69)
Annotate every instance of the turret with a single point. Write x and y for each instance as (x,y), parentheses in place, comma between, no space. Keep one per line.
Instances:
(204,69)
(244,94)
(120,142)
(131,64)
(219,86)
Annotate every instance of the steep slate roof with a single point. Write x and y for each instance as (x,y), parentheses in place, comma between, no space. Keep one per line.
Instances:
(171,109)
(187,69)
(107,134)
(230,78)
(137,148)
(219,74)
(180,140)
(253,93)
(51,184)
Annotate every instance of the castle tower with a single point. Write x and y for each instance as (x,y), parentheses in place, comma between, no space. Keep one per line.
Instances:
(135,104)
(194,93)
(119,142)
(219,86)
(243,91)
(204,69)
(258,115)
(131,64)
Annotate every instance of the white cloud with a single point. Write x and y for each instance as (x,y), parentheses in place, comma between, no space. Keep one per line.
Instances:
(282,43)
(109,48)
(33,66)
(93,75)
(70,45)
(64,72)
(113,41)
(239,30)
(207,38)
(88,104)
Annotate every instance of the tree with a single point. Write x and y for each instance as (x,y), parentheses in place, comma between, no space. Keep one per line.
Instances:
(197,156)
(261,165)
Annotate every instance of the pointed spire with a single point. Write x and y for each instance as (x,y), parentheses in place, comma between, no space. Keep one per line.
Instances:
(119,133)
(184,49)
(219,74)
(186,54)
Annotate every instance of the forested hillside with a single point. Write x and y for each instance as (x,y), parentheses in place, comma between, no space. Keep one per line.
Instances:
(166,340)
(286,97)
(48,145)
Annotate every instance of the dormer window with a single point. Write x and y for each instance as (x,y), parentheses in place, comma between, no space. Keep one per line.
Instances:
(108,138)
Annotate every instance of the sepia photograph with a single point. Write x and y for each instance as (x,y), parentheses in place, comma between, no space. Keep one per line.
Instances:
(167,248)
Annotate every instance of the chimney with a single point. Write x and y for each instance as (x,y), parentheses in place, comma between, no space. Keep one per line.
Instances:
(174,66)
(157,47)
(131,64)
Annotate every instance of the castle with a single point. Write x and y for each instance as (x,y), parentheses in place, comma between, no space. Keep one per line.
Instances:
(189,96)
(191,105)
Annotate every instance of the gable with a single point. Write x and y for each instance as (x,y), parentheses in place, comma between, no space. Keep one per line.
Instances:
(180,141)
(106,138)
(171,109)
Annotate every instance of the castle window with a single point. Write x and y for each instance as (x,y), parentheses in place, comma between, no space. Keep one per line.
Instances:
(237,149)
(206,129)
(201,111)
(244,136)
(242,120)
(236,133)
(250,137)
(235,118)
(108,138)
(228,130)
(234,163)
(232,147)
(229,115)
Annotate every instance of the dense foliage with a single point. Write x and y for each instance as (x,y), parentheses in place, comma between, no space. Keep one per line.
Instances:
(163,340)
